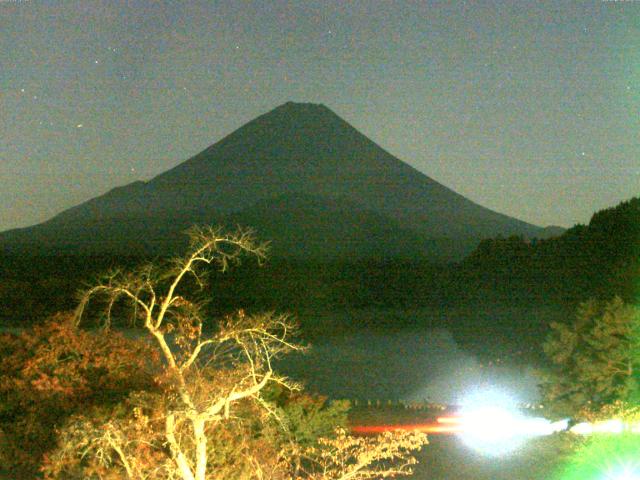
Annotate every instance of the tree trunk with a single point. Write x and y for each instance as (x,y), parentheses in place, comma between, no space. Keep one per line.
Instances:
(201,448)
(176,452)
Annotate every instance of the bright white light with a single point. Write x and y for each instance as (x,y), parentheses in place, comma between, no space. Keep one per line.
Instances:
(609,426)
(583,428)
(626,472)
(624,476)
(492,424)
(560,426)
(538,426)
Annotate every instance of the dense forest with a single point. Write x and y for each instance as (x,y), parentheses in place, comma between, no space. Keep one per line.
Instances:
(598,260)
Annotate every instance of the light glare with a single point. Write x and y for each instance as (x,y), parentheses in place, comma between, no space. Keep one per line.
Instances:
(627,472)
(492,425)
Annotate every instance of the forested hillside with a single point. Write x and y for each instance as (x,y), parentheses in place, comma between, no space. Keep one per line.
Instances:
(598,260)
(601,259)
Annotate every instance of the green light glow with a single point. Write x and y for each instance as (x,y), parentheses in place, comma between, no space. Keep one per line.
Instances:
(605,457)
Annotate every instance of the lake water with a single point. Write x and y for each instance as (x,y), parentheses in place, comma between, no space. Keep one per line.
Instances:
(409,365)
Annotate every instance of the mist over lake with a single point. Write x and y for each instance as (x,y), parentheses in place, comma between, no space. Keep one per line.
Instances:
(409,365)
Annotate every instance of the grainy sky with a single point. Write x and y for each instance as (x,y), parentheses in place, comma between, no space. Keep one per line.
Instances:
(528,108)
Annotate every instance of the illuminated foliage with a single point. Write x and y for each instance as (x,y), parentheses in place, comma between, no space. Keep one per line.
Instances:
(54,370)
(360,458)
(593,361)
(219,410)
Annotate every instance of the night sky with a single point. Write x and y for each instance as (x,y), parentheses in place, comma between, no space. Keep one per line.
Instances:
(528,108)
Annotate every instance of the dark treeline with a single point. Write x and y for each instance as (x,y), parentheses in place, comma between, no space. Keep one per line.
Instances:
(598,260)
(34,287)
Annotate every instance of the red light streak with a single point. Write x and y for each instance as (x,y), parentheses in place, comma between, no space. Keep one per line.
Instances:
(433,428)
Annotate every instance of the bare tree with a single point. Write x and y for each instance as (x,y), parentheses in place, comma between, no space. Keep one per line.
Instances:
(240,350)
(202,379)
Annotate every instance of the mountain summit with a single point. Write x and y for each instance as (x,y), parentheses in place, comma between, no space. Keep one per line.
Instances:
(303,178)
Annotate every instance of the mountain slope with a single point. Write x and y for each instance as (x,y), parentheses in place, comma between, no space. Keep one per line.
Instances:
(294,149)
